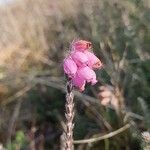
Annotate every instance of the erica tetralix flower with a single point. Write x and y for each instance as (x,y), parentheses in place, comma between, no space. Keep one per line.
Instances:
(87,74)
(79,64)
(93,61)
(83,75)
(79,82)
(79,58)
(81,45)
(70,67)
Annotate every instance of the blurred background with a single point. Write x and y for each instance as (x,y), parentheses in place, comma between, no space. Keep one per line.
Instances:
(35,36)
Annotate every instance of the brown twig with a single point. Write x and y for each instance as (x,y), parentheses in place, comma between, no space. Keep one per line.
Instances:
(109,135)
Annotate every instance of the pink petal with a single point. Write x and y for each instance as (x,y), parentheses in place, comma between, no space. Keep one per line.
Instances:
(70,68)
(79,58)
(81,45)
(79,83)
(93,61)
(87,74)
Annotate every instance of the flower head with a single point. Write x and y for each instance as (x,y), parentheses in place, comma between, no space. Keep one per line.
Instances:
(80,63)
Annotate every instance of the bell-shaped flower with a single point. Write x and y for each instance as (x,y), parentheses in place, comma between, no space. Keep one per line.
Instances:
(87,74)
(81,45)
(70,67)
(79,82)
(93,61)
(79,58)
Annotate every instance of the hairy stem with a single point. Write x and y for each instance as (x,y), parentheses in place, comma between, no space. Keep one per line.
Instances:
(69,117)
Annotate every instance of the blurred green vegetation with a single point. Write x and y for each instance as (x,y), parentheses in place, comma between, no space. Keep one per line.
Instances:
(35,37)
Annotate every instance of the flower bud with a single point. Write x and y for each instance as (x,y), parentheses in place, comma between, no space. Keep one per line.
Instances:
(81,45)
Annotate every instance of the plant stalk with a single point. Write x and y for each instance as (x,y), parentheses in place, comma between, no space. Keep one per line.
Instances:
(69,114)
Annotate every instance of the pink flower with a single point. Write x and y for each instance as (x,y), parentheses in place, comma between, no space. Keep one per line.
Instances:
(70,67)
(79,58)
(93,61)
(80,63)
(81,45)
(87,74)
(79,82)
(83,75)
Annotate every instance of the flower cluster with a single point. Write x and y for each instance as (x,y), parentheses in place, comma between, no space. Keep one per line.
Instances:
(79,65)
